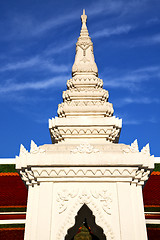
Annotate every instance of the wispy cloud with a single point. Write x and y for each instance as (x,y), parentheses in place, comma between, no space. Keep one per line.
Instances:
(152,21)
(28,26)
(42,63)
(136,100)
(11,86)
(55,22)
(146,41)
(138,121)
(59,48)
(132,79)
(107,32)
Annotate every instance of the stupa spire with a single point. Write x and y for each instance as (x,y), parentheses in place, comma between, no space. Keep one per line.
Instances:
(85,112)
(84,30)
(84,60)
(84,17)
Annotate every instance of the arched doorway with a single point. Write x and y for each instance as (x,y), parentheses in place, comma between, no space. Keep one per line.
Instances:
(85,227)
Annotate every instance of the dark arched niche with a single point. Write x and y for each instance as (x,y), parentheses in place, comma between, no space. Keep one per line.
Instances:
(85,221)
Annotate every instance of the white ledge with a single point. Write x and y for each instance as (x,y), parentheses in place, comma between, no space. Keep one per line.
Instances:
(152,221)
(157,160)
(13,221)
(7,161)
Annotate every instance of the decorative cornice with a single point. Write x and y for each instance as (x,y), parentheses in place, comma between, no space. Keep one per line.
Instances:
(133,148)
(85,108)
(85,148)
(110,133)
(86,172)
(85,81)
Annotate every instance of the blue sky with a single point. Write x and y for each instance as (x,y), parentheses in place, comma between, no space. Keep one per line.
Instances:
(37,45)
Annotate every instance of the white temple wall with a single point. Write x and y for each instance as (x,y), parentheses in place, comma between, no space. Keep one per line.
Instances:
(116,206)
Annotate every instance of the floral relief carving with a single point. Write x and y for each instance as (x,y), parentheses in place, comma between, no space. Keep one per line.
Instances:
(85,148)
(85,196)
(64,197)
(70,219)
(35,149)
(105,199)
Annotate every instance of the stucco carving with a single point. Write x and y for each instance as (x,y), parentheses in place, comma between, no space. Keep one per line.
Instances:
(146,150)
(105,199)
(133,148)
(85,172)
(64,197)
(35,149)
(86,82)
(23,151)
(72,212)
(85,148)
(109,133)
(84,196)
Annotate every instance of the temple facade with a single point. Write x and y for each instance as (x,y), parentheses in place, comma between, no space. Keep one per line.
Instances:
(85,185)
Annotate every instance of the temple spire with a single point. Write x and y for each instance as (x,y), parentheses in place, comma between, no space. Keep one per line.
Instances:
(84,30)
(84,17)
(84,59)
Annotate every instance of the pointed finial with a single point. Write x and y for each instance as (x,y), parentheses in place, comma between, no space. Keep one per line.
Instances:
(34,147)
(23,151)
(84,17)
(146,149)
(134,146)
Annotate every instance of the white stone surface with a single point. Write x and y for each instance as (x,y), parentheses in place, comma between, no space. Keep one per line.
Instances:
(7,161)
(87,166)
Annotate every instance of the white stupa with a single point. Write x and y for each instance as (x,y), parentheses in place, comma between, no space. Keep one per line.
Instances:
(85,183)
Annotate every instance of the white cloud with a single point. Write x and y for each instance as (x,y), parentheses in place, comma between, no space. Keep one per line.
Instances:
(107,32)
(136,100)
(59,48)
(132,80)
(41,63)
(138,121)
(28,26)
(153,21)
(145,41)
(48,83)
(20,65)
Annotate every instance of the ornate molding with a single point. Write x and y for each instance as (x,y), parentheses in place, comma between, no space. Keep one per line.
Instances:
(105,199)
(133,148)
(108,132)
(85,81)
(84,197)
(85,172)
(85,148)
(63,198)
(35,149)
(70,218)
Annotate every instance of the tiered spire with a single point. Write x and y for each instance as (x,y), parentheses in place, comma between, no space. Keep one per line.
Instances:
(84,59)
(85,100)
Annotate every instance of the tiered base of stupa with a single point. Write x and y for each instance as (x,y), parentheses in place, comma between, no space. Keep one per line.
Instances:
(63,178)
